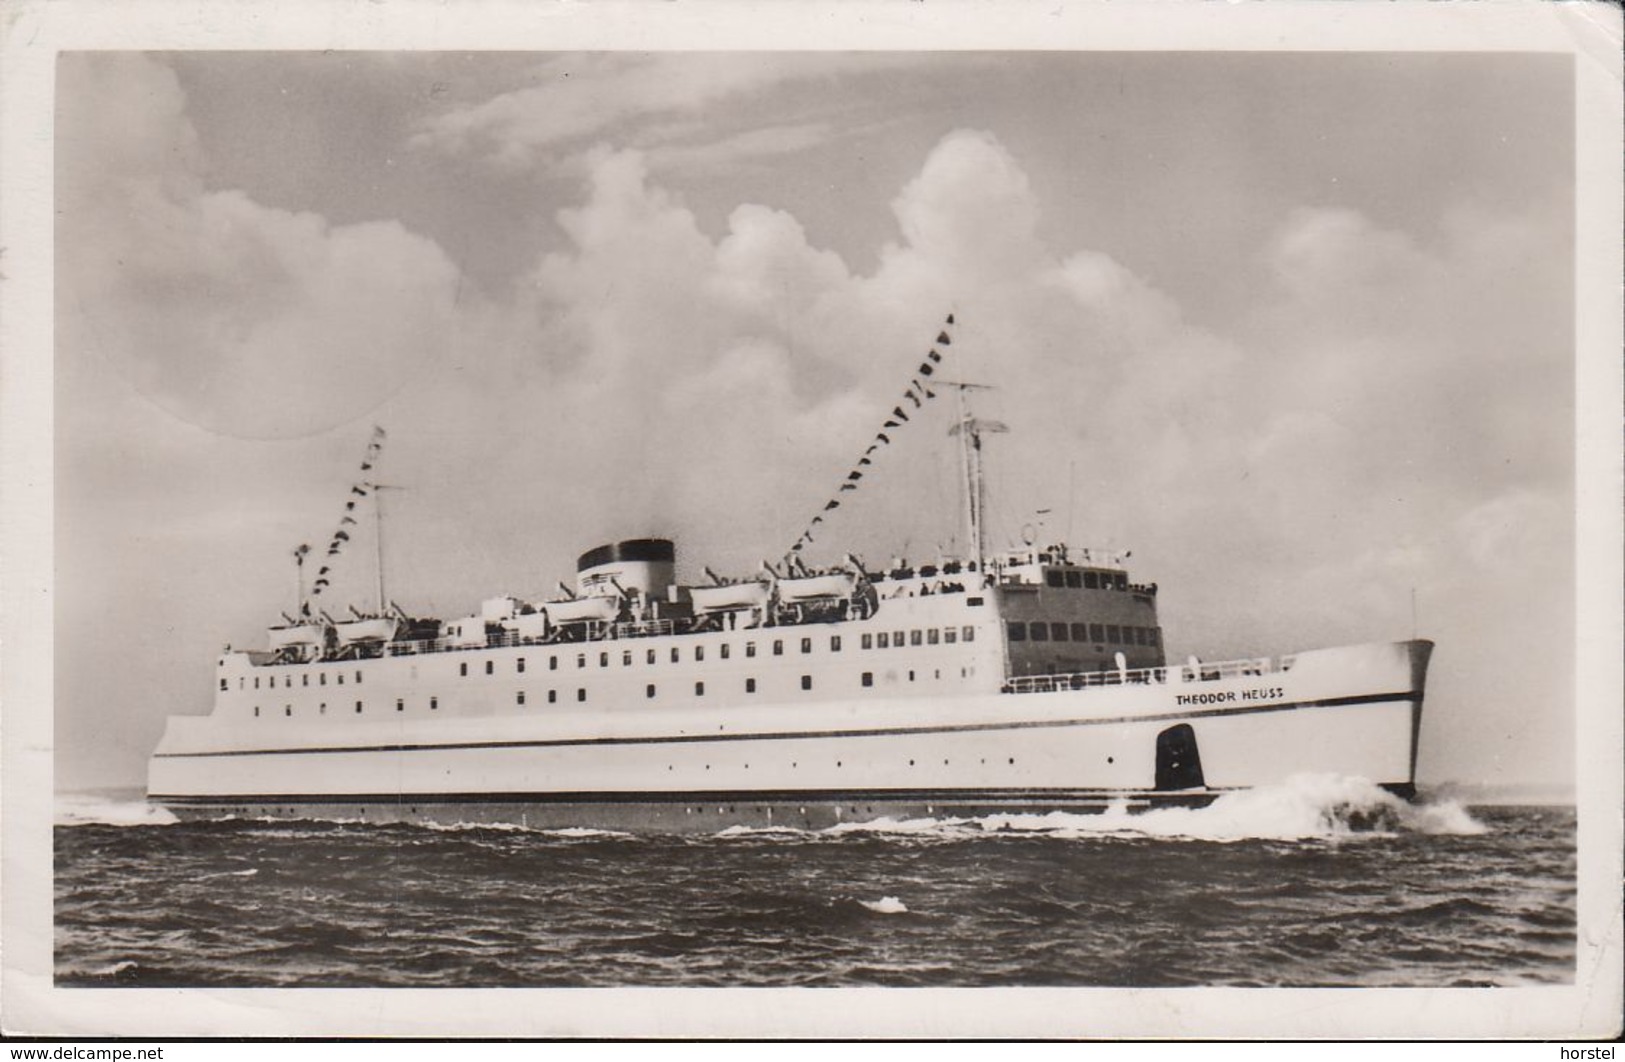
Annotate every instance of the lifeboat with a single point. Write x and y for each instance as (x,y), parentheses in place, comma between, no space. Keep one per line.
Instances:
(729,598)
(817,587)
(583,610)
(298,636)
(366,629)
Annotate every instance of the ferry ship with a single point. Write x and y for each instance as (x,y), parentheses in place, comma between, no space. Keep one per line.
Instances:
(1028,680)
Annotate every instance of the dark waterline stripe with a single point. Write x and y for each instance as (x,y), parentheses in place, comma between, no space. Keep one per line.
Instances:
(801,735)
(708,796)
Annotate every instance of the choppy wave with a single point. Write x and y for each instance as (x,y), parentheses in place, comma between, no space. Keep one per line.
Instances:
(75,809)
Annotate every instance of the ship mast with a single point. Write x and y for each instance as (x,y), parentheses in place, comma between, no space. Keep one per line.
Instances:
(970,431)
(378,537)
(299,564)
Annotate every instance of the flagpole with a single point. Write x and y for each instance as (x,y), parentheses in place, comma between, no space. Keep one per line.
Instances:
(378,538)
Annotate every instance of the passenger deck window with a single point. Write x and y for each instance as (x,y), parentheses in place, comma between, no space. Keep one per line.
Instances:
(835,643)
(1074,580)
(868,641)
(778,647)
(883,640)
(950,635)
(970,634)
(914,637)
(931,636)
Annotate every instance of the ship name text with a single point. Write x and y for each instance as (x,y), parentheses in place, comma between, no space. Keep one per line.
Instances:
(1257,693)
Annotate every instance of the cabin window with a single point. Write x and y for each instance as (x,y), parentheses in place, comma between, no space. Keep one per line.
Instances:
(835,643)
(676,654)
(649,690)
(1074,580)
(806,682)
(321,680)
(321,709)
(519,665)
(1097,633)
(950,635)
(778,647)
(241,682)
(400,704)
(1080,632)
(806,645)
(552,696)
(1091,581)
(724,650)
(883,640)
(897,639)
(304,680)
(518,697)
(1018,630)
(581,660)
(970,634)
(357,707)
(699,653)
(750,649)
(916,637)
(603,659)
(434,703)
(1057,632)
(256,711)
(358,678)
(868,678)
(1039,632)
(626,658)
(490,667)
(649,658)
(552,663)
(1113,633)
(1054,579)
(699,689)
(223,684)
(340,678)
(750,685)
(868,641)
(462,669)
(931,636)
(581,693)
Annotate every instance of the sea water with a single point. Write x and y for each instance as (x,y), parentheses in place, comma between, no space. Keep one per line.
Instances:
(1319,881)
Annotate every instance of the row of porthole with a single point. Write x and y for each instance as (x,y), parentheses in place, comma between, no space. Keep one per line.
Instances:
(866,680)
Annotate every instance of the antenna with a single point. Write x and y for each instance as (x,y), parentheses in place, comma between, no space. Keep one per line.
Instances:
(970,431)
(299,564)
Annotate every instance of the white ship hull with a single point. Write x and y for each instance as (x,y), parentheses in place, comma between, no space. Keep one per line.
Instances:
(801,762)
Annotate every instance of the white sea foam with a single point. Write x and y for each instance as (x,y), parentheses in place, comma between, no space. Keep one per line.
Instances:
(95,809)
(1306,806)
(250,872)
(886,905)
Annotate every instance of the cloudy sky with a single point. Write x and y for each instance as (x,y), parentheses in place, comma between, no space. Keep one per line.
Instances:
(1296,329)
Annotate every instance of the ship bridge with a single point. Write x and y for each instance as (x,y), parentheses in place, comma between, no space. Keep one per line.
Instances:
(1068,610)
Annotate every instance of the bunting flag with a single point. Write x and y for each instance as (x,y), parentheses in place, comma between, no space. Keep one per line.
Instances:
(375,447)
(916,393)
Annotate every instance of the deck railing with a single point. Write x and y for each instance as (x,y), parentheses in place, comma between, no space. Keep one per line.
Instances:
(1149,676)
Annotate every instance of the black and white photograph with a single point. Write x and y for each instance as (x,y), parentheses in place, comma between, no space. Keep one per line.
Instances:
(790,502)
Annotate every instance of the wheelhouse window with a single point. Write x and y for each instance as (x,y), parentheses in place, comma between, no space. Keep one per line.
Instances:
(1080,632)
(1017,630)
(1039,631)
(1114,633)
(1091,580)
(1057,632)
(1097,633)
(1054,579)
(1074,580)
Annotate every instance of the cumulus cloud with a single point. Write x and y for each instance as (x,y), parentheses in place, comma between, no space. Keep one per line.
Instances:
(241,318)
